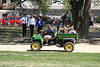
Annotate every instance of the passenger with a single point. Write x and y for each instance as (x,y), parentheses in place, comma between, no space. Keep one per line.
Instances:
(65,30)
(72,31)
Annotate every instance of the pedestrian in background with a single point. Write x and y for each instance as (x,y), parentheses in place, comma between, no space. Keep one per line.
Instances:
(54,21)
(70,20)
(63,20)
(66,18)
(39,24)
(94,20)
(31,24)
(91,20)
(24,22)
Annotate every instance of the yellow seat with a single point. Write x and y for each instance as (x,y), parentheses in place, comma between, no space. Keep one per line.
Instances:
(54,36)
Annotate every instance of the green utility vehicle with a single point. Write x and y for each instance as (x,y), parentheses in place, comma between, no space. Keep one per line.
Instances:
(65,40)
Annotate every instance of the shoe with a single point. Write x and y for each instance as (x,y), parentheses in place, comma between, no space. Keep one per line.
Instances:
(90,26)
(46,44)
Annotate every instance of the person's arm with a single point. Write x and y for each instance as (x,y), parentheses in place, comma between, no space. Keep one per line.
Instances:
(22,19)
(71,18)
(46,31)
(42,22)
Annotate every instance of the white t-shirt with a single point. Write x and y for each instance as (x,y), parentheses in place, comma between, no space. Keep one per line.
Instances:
(72,31)
(58,17)
(31,21)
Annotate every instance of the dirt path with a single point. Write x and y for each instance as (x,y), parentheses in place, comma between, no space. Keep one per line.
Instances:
(83,47)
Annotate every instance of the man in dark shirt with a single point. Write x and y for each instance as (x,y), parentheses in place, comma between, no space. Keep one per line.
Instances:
(50,33)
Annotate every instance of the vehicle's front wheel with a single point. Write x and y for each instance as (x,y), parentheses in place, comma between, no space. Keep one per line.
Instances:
(69,47)
(35,46)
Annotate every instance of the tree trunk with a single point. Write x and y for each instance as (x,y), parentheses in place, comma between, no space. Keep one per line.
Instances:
(86,15)
(81,11)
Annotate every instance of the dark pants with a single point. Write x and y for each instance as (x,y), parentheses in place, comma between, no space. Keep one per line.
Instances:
(91,23)
(63,22)
(31,30)
(39,28)
(24,29)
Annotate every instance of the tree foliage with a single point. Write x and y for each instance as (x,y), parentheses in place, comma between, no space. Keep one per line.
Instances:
(67,5)
(41,5)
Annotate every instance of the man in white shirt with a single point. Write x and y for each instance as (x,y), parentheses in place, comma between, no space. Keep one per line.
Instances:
(24,22)
(72,31)
(31,23)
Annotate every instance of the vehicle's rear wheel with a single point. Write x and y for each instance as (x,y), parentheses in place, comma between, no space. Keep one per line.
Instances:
(35,46)
(69,47)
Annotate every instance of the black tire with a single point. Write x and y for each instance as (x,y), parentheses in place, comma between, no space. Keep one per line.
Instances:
(36,46)
(69,46)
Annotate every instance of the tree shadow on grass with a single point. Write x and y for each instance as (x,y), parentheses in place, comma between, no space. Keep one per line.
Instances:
(13,35)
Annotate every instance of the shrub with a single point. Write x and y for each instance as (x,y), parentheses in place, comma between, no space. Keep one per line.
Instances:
(98,20)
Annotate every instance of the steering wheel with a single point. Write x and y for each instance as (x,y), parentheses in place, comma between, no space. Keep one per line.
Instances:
(42,34)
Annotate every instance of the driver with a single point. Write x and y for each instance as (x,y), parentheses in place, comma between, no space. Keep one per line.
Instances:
(50,33)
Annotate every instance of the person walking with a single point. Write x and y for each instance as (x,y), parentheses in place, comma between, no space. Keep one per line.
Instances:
(63,20)
(91,20)
(24,22)
(70,20)
(66,18)
(39,24)
(31,24)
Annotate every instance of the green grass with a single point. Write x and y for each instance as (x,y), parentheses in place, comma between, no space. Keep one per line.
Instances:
(48,59)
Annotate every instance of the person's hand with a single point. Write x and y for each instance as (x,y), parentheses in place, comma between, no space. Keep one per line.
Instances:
(41,30)
(45,32)
(71,20)
(36,26)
